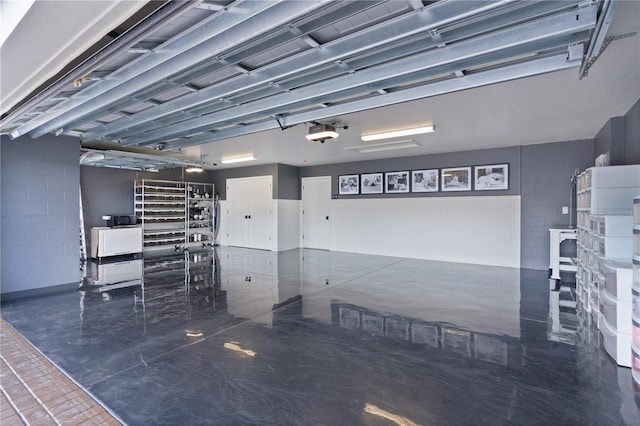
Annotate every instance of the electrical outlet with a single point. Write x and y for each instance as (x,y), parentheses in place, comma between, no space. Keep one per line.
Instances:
(565,210)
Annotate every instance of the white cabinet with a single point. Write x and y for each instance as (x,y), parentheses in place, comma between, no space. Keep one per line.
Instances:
(250,218)
(115,241)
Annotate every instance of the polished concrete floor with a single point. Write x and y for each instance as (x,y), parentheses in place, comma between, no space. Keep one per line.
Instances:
(308,337)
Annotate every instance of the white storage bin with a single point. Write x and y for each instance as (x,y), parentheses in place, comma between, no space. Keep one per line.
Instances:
(636,240)
(636,210)
(616,313)
(593,260)
(636,271)
(617,279)
(613,189)
(614,247)
(615,226)
(617,345)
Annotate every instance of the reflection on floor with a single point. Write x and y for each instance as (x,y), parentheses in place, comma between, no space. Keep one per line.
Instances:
(241,336)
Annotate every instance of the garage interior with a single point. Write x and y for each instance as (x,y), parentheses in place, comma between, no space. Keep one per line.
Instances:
(306,279)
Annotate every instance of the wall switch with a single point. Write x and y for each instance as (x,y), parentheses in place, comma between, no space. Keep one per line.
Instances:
(565,210)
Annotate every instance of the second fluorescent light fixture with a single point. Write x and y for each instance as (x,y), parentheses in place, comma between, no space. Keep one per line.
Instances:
(238,159)
(194,169)
(398,133)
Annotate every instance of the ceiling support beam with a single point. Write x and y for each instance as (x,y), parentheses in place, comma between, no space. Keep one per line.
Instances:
(546,28)
(241,22)
(427,77)
(507,73)
(165,14)
(436,16)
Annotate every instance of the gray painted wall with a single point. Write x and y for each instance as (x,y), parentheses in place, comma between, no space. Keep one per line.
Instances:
(610,139)
(510,155)
(39,209)
(288,182)
(632,135)
(108,191)
(545,189)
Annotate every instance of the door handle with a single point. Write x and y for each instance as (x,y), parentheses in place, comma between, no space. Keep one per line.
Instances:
(327,217)
(246,217)
(249,216)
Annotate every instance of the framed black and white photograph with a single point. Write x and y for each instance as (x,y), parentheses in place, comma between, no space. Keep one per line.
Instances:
(349,184)
(371,183)
(493,177)
(424,180)
(456,179)
(396,182)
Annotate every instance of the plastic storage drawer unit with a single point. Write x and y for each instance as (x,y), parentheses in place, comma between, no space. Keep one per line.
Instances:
(617,345)
(615,226)
(618,278)
(616,313)
(614,247)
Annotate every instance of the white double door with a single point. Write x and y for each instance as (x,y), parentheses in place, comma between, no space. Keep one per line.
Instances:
(316,212)
(250,212)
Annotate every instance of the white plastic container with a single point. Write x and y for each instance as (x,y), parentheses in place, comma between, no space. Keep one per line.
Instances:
(614,226)
(617,345)
(614,247)
(616,313)
(617,279)
(613,189)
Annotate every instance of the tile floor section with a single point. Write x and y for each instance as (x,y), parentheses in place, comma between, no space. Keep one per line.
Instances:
(305,337)
(35,392)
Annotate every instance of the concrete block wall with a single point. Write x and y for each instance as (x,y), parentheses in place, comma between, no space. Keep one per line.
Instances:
(39,209)
(545,187)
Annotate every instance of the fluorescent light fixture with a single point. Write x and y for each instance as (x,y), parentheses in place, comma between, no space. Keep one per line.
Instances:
(237,159)
(321,132)
(195,333)
(398,133)
(194,169)
(234,347)
(385,146)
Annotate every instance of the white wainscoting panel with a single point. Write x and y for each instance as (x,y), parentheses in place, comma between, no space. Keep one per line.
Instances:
(477,230)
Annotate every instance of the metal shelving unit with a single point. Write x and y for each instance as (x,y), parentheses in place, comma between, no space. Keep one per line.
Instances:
(200,214)
(174,215)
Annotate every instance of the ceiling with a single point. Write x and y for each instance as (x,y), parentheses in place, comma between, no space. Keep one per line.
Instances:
(216,79)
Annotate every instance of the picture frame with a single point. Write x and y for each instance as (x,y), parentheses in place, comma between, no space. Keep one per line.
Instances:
(491,177)
(456,179)
(349,184)
(425,180)
(396,182)
(371,183)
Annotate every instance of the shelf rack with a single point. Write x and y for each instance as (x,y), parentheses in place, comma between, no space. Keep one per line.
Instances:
(174,215)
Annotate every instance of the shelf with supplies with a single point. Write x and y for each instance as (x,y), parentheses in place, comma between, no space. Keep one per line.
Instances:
(174,215)
(605,219)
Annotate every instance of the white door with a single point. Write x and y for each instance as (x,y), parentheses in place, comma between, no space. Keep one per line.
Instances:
(316,212)
(249,212)
(261,213)
(237,212)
